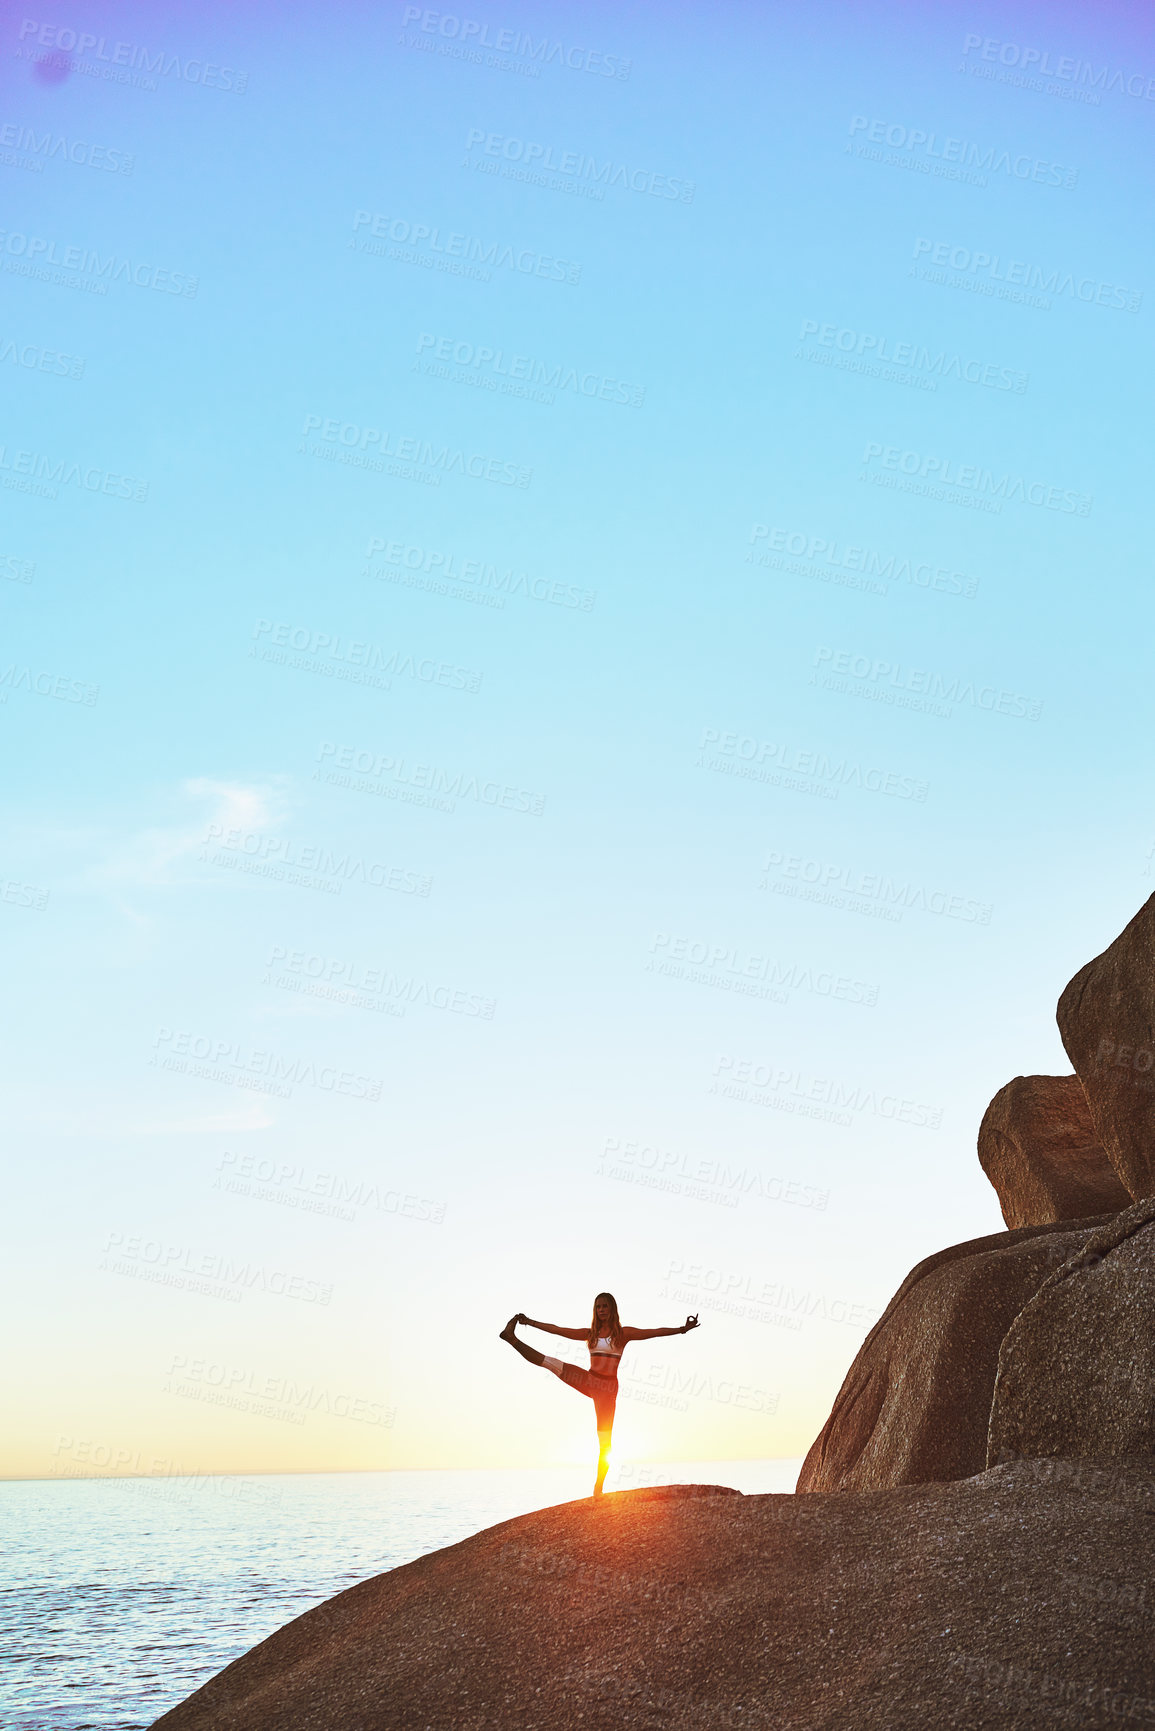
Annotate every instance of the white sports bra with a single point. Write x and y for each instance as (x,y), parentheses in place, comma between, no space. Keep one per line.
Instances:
(604,1348)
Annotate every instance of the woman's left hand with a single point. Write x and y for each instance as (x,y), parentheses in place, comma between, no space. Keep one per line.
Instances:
(691,1322)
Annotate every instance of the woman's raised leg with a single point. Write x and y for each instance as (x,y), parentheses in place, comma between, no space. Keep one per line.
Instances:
(585,1383)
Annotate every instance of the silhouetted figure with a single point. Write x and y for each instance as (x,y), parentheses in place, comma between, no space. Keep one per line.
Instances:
(607,1340)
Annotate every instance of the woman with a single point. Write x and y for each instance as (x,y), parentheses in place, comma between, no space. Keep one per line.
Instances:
(607,1340)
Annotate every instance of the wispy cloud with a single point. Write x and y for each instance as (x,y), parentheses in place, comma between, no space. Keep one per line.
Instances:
(167,855)
(152,855)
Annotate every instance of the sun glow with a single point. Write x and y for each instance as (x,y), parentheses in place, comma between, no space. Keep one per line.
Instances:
(577,1445)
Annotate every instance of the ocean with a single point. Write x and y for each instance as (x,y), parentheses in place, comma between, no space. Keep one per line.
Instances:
(119,1597)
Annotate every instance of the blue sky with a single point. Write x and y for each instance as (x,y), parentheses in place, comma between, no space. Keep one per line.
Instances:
(368,820)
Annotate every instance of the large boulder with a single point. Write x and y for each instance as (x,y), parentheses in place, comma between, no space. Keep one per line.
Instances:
(916,1402)
(1038,1147)
(1106,1017)
(1077,1368)
(1005,1603)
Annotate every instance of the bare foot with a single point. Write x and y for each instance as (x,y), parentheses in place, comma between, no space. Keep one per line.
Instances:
(507,1331)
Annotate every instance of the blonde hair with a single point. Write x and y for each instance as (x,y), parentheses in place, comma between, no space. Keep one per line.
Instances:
(613,1328)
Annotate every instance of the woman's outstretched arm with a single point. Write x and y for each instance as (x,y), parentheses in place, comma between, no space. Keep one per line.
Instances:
(552,1328)
(655,1333)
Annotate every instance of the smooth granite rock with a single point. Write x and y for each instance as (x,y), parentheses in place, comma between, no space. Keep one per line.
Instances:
(916,1402)
(1015,1601)
(1038,1147)
(1106,1017)
(1077,1368)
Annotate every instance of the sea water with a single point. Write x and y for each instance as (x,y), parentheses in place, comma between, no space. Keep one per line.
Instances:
(119,1597)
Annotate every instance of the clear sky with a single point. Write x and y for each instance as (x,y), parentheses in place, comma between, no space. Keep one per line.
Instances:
(578,626)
